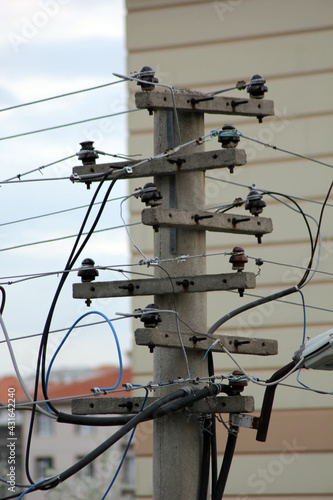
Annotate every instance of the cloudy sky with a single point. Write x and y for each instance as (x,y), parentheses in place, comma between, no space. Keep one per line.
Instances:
(51,47)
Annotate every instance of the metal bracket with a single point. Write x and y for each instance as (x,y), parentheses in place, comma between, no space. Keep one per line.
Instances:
(248,421)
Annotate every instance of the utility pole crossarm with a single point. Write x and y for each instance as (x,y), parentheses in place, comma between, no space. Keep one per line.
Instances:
(196,101)
(158,337)
(206,221)
(161,286)
(177,162)
(132,405)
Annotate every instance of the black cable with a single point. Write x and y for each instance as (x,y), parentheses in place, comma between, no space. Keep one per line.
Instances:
(307,225)
(303,280)
(71,261)
(213,445)
(250,305)
(152,411)
(204,472)
(68,418)
(226,464)
(267,404)
(42,350)
(3,301)
(144,414)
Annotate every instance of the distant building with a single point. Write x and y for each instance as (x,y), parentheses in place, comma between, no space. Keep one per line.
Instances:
(55,447)
(207,46)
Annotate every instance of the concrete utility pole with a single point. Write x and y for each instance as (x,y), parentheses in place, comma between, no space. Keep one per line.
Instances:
(180,224)
(177,440)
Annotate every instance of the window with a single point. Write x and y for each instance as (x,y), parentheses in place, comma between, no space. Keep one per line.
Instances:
(44,425)
(44,466)
(129,470)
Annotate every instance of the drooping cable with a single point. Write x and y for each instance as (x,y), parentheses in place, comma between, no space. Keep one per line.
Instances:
(226,464)
(3,299)
(16,368)
(125,452)
(70,263)
(67,335)
(305,280)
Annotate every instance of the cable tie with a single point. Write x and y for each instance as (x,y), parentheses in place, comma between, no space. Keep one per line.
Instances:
(128,386)
(181,258)
(153,386)
(188,389)
(96,390)
(74,177)
(211,393)
(138,192)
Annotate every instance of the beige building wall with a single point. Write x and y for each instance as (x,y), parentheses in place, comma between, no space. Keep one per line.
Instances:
(206,46)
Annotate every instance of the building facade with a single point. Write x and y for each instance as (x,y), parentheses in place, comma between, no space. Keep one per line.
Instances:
(211,45)
(55,447)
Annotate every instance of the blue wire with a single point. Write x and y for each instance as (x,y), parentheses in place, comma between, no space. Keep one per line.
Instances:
(29,489)
(202,359)
(68,333)
(126,449)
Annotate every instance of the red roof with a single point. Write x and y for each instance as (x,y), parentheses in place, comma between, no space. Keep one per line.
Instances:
(101,377)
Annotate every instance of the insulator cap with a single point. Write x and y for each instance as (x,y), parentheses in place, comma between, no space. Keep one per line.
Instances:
(147,74)
(254,202)
(228,137)
(151,195)
(257,89)
(87,272)
(87,153)
(238,385)
(150,316)
(238,259)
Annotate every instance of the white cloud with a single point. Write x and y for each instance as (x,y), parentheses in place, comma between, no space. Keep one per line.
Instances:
(41,20)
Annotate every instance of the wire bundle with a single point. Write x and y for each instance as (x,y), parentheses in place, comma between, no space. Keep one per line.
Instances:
(180,398)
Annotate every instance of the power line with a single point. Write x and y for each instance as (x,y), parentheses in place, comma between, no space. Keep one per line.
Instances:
(27,277)
(56,213)
(53,240)
(68,124)
(38,169)
(262,191)
(59,96)
(284,150)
